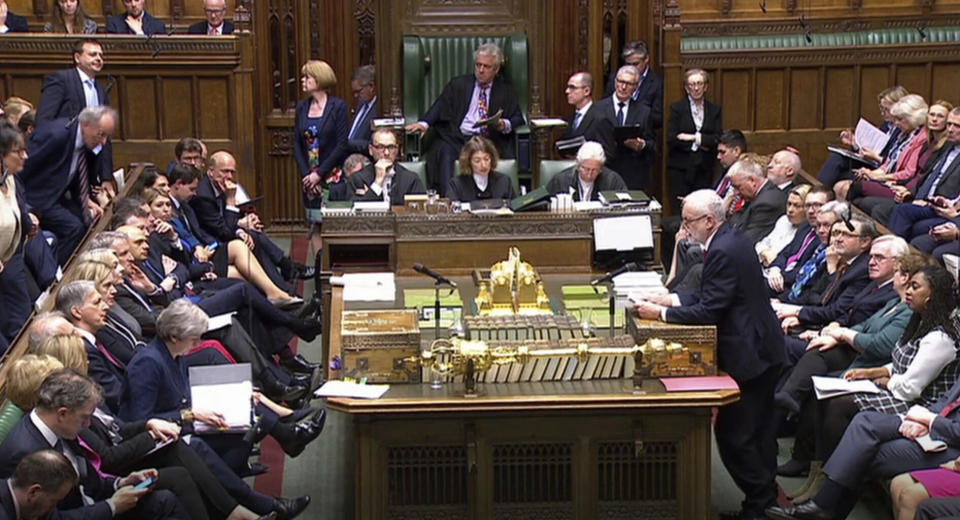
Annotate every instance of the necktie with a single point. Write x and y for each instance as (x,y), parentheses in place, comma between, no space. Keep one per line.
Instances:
(482,108)
(833,285)
(576,120)
(807,271)
(620,113)
(106,353)
(940,168)
(90,90)
(358,119)
(792,261)
(83,184)
(950,407)
(93,457)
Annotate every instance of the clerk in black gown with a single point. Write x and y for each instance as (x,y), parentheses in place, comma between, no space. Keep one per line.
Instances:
(478,177)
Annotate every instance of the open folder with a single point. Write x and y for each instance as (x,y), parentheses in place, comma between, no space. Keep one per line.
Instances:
(225,389)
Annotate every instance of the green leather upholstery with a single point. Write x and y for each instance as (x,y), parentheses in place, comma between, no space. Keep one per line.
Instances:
(548,169)
(779,41)
(507,167)
(9,417)
(418,167)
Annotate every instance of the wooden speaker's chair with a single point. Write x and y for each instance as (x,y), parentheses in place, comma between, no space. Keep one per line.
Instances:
(429,62)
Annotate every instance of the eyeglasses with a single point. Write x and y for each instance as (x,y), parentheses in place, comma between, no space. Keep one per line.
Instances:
(688,221)
(216,11)
(387,147)
(573,87)
(627,83)
(837,233)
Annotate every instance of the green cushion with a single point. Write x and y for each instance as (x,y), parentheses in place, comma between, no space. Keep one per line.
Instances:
(507,167)
(9,417)
(899,36)
(548,169)
(418,167)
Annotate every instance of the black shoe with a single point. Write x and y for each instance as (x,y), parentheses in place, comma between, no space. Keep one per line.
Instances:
(280,392)
(303,433)
(787,402)
(808,510)
(307,330)
(794,468)
(253,469)
(288,508)
(309,309)
(304,272)
(299,363)
(272,515)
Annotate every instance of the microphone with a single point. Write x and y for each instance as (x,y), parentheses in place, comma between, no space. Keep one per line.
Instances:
(630,266)
(420,268)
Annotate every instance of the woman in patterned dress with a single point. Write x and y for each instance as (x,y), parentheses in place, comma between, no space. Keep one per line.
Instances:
(320,139)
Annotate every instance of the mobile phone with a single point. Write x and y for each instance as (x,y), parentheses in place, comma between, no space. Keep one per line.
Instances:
(213,246)
(144,484)
(937,202)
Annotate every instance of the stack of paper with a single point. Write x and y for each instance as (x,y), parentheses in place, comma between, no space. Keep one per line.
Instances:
(369,287)
(345,389)
(225,389)
(827,387)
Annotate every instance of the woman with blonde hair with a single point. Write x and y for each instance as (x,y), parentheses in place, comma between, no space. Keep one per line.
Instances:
(25,376)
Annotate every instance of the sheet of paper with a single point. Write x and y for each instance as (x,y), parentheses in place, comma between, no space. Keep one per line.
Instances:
(369,287)
(118,177)
(929,445)
(219,321)
(371,205)
(827,387)
(225,389)
(698,384)
(952,262)
(547,121)
(623,233)
(241,196)
(869,136)
(345,389)
(587,205)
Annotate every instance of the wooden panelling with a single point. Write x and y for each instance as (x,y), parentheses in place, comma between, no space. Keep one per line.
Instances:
(769,100)
(914,77)
(839,95)
(788,11)
(214,108)
(873,80)
(805,101)
(735,88)
(139,125)
(946,77)
(179,107)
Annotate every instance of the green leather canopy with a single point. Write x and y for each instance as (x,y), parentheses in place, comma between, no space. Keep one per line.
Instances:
(548,169)
(840,39)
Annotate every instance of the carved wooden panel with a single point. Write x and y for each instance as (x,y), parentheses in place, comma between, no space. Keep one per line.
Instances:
(873,79)
(179,107)
(735,101)
(946,77)
(141,124)
(839,91)
(805,102)
(770,104)
(914,77)
(214,109)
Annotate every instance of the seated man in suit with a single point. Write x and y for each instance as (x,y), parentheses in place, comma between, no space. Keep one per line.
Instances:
(814,275)
(10,22)
(586,121)
(351,165)
(135,20)
(65,403)
(214,25)
(588,177)
(363,83)
(783,167)
(633,155)
(189,150)
(41,480)
(764,201)
(649,89)
(749,344)
(384,179)
(216,207)
(464,101)
(782,272)
(61,172)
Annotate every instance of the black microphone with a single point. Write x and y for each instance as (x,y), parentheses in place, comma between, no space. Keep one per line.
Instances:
(420,268)
(630,266)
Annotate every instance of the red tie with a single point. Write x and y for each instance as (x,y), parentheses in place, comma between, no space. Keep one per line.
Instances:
(950,407)
(109,356)
(93,457)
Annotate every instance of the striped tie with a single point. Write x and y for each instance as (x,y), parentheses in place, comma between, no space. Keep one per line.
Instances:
(482,108)
(83,181)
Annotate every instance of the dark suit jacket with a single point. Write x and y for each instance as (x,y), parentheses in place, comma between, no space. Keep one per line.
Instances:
(869,300)
(192,227)
(117,456)
(607,180)
(404,182)
(633,166)
(25,439)
(649,92)
(333,135)
(46,172)
(117,24)
(212,213)
(759,216)
(791,249)
(464,189)
(203,27)
(111,376)
(949,185)
(120,341)
(679,154)
(448,111)
(593,127)
(843,297)
(17,23)
(361,140)
(733,297)
(157,386)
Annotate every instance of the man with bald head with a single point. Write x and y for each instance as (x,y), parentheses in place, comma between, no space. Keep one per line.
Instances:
(47,325)
(764,202)
(62,171)
(215,205)
(783,167)
(214,25)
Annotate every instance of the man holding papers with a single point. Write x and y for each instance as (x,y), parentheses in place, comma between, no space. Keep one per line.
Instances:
(732,296)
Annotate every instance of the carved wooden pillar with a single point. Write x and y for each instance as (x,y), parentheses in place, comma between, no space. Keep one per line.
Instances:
(176,10)
(672,66)
(40,8)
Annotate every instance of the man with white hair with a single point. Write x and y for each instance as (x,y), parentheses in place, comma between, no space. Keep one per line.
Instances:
(634,155)
(764,201)
(464,101)
(588,177)
(732,296)
(782,168)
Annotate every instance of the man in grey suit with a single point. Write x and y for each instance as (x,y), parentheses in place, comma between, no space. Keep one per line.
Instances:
(384,179)
(765,202)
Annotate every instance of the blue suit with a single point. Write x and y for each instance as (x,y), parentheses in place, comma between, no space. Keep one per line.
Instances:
(52,188)
(732,296)
(359,140)
(117,24)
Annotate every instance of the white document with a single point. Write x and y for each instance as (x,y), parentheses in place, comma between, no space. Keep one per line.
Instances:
(623,233)
(219,321)
(542,122)
(345,389)
(951,262)
(587,205)
(225,389)
(827,387)
(369,287)
(929,445)
(868,136)
(119,179)
(371,205)
(241,196)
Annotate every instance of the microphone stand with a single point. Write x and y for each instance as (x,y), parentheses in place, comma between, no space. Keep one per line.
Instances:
(436,306)
(611,297)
